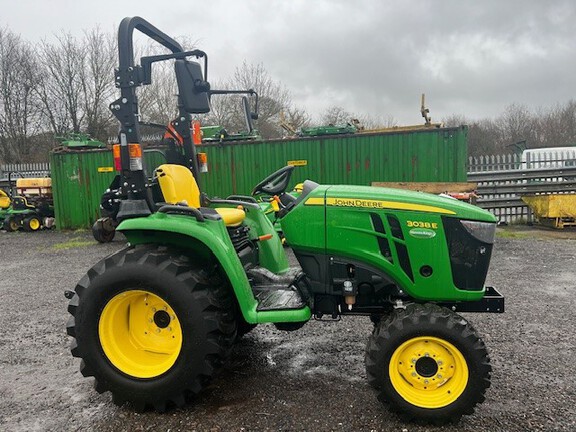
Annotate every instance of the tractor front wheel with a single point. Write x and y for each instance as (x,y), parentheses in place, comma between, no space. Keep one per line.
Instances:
(150,326)
(428,364)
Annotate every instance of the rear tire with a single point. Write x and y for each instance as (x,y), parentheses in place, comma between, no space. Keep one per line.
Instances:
(11,224)
(32,223)
(150,327)
(428,364)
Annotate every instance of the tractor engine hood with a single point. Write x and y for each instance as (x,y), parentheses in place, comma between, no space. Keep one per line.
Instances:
(430,246)
(375,198)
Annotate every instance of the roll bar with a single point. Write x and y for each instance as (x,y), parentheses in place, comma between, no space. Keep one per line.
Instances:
(128,76)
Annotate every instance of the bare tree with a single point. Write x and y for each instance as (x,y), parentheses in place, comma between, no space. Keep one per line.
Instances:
(297,117)
(557,127)
(273,98)
(18,80)
(516,124)
(336,115)
(64,62)
(483,135)
(97,83)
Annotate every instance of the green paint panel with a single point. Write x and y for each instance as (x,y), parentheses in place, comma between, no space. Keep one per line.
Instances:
(435,155)
(79,178)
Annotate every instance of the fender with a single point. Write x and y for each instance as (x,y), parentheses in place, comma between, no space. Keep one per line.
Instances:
(204,239)
(209,235)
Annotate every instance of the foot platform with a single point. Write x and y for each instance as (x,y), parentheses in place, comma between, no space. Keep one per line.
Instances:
(276,292)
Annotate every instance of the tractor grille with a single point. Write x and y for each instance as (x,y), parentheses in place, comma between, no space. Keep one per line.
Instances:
(469,257)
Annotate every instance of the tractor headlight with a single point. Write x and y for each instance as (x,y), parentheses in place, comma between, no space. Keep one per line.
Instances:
(483,231)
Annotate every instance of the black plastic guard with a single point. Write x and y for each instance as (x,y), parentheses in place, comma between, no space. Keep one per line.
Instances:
(492,302)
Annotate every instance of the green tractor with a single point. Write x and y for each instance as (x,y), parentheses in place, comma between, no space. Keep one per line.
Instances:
(155,321)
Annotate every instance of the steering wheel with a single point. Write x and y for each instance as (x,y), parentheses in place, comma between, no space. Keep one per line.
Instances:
(276,183)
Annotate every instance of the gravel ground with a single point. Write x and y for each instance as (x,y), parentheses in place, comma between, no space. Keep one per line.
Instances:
(311,379)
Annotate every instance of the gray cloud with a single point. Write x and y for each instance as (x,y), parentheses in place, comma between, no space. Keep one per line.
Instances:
(371,57)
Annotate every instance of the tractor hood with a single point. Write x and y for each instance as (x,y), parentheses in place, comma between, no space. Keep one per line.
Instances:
(431,247)
(396,199)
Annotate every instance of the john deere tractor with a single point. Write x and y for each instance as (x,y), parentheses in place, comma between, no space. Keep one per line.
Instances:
(155,321)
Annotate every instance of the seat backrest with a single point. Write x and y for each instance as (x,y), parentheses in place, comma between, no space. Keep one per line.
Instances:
(4,200)
(178,184)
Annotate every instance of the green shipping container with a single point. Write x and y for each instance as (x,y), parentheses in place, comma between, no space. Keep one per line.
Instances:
(430,155)
(79,178)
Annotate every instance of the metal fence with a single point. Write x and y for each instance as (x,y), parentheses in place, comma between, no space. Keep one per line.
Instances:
(41,169)
(504,179)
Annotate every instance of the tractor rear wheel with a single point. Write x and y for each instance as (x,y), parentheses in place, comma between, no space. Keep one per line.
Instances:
(150,326)
(428,364)
(11,224)
(32,223)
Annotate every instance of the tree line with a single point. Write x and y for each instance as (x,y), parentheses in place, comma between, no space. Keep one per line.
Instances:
(56,87)
(520,127)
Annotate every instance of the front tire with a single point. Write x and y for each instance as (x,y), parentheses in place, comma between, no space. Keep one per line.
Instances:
(150,327)
(428,364)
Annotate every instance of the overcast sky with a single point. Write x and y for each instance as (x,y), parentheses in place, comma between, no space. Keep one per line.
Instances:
(370,57)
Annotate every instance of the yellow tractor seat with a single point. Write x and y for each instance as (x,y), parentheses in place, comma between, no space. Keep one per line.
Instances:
(179,186)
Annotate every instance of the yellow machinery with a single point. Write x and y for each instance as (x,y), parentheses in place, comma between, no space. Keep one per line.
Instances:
(29,207)
(555,210)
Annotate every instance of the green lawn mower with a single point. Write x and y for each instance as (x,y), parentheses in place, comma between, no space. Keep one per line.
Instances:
(155,321)
(30,210)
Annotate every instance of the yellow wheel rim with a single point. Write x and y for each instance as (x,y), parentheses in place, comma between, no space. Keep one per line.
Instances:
(34,224)
(140,334)
(428,372)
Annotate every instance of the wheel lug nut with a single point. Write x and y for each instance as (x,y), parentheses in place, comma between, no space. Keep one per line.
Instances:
(439,362)
(413,374)
(426,355)
(158,330)
(426,381)
(413,360)
(150,320)
(439,376)
(153,309)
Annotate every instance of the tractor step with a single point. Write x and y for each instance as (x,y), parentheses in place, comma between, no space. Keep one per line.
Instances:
(279,299)
(276,292)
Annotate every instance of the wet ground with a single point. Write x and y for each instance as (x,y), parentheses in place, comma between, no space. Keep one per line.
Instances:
(312,379)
